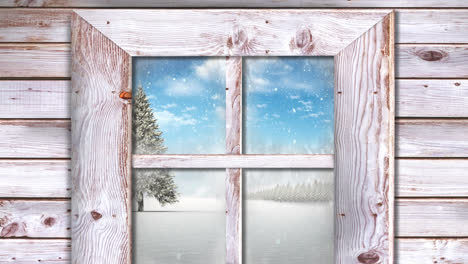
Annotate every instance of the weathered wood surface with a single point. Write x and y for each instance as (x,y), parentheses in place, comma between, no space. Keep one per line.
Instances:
(101,157)
(239,3)
(412,26)
(34,99)
(432,177)
(35,139)
(431,61)
(431,217)
(364,148)
(412,61)
(233,185)
(33,60)
(27,251)
(34,218)
(232,161)
(241,32)
(409,251)
(432,98)
(436,251)
(432,138)
(35,178)
(414,98)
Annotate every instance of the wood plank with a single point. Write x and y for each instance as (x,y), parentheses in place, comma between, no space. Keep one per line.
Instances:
(432,138)
(432,98)
(432,61)
(431,178)
(238,3)
(35,139)
(442,251)
(431,217)
(34,99)
(35,25)
(34,218)
(364,125)
(431,26)
(35,178)
(26,251)
(233,182)
(101,139)
(232,161)
(33,60)
(242,32)
(413,26)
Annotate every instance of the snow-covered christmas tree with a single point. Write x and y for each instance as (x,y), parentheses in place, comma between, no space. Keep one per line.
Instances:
(147,139)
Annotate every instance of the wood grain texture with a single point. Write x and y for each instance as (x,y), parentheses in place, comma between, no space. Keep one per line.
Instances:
(432,178)
(431,217)
(231,32)
(35,178)
(25,251)
(432,61)
(101,139)
(35,25)
(364,120)
(233,185)
(32,60)
(432,98)
(34,99)
(436,251)
(232,161)
(431,26)
(432,138)
(35,139)
(34,218)
(238,3)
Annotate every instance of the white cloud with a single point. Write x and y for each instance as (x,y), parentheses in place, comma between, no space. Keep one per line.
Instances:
(220,112)
(294,97)
(189,109)
(216,97)
(261,105)
(167,106)
(275,115)
(180,88)
(166,118)
(211,69)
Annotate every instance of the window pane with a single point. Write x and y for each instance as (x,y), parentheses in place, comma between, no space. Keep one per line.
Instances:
(288,105)
(288,216)
(190,227)
(186,98)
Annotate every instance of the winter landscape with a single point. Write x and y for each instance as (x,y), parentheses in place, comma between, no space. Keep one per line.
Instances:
(178,108)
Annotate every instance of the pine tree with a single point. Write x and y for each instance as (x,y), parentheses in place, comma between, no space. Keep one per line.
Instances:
(147,139)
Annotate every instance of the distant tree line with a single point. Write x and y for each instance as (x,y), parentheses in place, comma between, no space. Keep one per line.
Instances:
(317,191)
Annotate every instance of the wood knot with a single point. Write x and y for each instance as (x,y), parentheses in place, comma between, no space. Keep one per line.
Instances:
(96,216)
(431,55)
(239,39)
(303,40)
(370,257)
(125,95)
(49,221)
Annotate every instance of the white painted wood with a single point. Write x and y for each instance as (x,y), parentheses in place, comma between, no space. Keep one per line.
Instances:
(232,161)
(432,178)
(26,251)
(442,251)
(233,185)
(432,98)
(35,139)
(431,217)
(35,178)
(34,218)
(432,61)
(101,157)
(432,138)
(32,60)
(237,3)
(34,99)
(364,121)
(232,32)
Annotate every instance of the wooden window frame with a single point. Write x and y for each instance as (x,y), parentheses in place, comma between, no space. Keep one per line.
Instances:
(103,44)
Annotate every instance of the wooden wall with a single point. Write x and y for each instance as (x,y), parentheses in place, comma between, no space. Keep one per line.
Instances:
(431,126)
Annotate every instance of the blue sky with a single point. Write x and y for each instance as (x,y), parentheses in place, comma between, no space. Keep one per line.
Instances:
(288,105)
